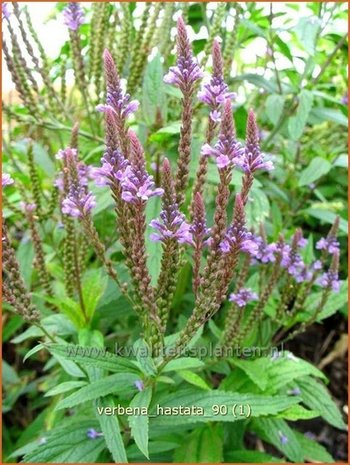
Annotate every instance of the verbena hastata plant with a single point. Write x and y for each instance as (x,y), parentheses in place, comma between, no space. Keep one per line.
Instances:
(208,381)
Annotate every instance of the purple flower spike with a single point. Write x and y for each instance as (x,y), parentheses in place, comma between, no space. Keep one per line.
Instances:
(6,180)
(93,434)
(78,203)
(329,244)
(186,72)
(292,261)
(139,385)
(215,93)
(172,224)
(227,152)
(137,185)
(265,252)
(117,100)
(6,13)
(242,297)
(73,16)
(330,279)
(253,158)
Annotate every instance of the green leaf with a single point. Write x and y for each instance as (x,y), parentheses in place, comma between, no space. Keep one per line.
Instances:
(139,423)
(93,288)
(328,217)
(33,351)
(306,31)
(313,452)
(274,107)
(329,114)
(153,95)
(334,302)
(193,378)
(316,169)
(316,397)
(64,387)
(202,446)
(153,248)
(67,444)
(258,404)
(183,363)
(119,383)
(279,434)
(257,81)
(111,431)
(258,207)
(297,412)
(255,369)
(296,124)
(25,256)
(250,456)
(143,352)
(93,356)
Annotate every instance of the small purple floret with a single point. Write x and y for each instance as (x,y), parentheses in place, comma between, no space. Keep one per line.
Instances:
(242,297)
(6,180)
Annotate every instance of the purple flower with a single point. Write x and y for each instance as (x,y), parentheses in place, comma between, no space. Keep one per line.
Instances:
(240,237)
(330,279)
(329,244)
(5,10)
(78,203)
(6,180)
(242,297)
(137,185)
(186,72)
(215,93)
(317,265)
(93,434)
(117,101)
(111,171)
(294,392)
(253,158)
(227,152)
(139,385)
(345,99)
(28,207)
(177,229)
(265,252)
(73,16)
(283,438)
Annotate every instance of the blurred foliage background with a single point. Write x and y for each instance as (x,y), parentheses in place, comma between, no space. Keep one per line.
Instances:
(287,61)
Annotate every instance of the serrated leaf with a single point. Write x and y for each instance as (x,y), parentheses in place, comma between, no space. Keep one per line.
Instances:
(274,107)
(33,351)
(297,412)
(183,363)
(329,114)
(119,383)
(255,369)
(65,387)
(306,31)
(259,405)
(279,434)
(93,356)
(193,378)
(328,217)
(316,397)
(153,93)
(67,444)
(316,169)
(202,446)
(296,123)
(139,423)
(142,352)
(313,452)
(250,456)
(111,431)
(94,286)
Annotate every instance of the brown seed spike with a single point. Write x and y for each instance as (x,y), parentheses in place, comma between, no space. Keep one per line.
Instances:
(111,73)
(252,130)
(217,60)
(137,152)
